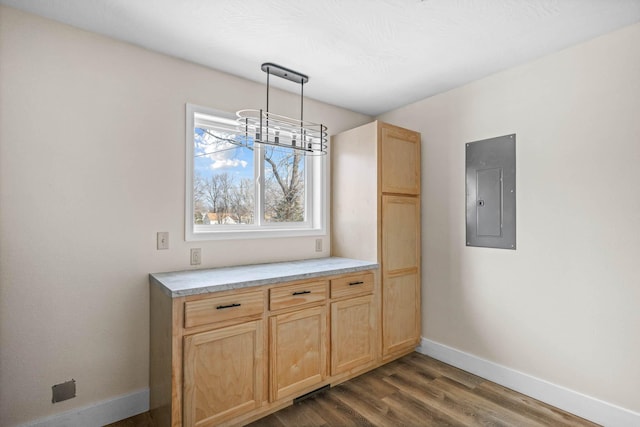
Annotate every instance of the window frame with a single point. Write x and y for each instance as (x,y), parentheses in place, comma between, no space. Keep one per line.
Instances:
(316,183)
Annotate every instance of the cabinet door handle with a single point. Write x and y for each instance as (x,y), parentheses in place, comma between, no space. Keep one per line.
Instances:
(220,307)
(301,293)
(355,283)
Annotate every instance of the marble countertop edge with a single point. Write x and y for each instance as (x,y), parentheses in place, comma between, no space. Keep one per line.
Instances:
(195,282)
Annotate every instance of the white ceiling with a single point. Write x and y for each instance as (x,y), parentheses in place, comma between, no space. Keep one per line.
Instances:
(369,56)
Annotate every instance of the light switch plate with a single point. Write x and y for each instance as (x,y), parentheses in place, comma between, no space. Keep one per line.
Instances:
(163,240)
(196,256)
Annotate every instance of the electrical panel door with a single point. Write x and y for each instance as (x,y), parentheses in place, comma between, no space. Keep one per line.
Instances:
(491,192)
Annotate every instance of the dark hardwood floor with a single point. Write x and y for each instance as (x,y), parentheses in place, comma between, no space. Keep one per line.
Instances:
(415,390)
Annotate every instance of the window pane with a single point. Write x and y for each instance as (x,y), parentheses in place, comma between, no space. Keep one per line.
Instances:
(223,183)
(284,192)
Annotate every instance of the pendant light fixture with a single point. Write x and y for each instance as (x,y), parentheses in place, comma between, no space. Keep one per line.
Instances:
(268,128)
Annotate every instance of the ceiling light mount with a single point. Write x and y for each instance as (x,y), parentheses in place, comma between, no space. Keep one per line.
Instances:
(267,128)
(285,73)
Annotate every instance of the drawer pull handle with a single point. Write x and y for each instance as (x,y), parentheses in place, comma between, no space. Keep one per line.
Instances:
(301,293)
(220,307)
(355,283)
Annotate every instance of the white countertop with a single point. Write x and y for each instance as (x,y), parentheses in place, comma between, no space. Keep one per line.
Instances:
(193,282)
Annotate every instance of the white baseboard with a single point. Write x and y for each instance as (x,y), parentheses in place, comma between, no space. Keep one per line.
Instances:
(568,400)
(99,414)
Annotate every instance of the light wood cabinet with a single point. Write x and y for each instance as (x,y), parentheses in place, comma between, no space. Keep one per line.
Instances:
(353,331)
(298,351)
(376,216)
(223,373)
(354,323)
(223,357)
(298,339)
(233,356)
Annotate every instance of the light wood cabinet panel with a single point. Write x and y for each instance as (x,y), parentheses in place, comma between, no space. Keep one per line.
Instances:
(400,288)
(353,333)
(400,233)
(400,154)
(218,309)
(223,373)
(401,313)
(351,286)
(301,294)
(298,351)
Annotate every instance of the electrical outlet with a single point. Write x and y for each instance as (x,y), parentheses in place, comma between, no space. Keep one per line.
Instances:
(318,245)
(163,240)
(196,256)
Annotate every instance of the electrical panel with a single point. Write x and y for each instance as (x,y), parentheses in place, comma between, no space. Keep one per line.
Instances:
(491,192)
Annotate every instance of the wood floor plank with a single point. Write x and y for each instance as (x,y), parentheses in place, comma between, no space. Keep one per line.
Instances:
(335,412)
(529,406)
(436,400)
(417,376)
(375,411)
(436,368)
(417,413)
(270,421)
(376,388)
(460,393)
(298,415)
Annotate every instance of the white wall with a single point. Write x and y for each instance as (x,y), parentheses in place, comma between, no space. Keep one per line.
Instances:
(565,306)
(91,167)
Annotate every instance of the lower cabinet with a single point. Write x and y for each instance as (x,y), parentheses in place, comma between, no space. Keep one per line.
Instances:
(298,351)
(233,356)
(354,323)
(353,332)
(223,373)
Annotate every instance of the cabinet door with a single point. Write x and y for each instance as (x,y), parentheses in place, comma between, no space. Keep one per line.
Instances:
(400,273)
(298,351)
(401,313)
(223,373)
(353,334)
(399,160)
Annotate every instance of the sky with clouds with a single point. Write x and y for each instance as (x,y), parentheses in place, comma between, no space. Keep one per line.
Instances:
(213,156)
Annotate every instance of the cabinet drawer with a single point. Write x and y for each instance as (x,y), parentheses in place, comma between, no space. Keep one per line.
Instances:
(357,284)
(295,295)
(217,309)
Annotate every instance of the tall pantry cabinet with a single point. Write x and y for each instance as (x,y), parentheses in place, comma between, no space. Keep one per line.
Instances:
(375,199)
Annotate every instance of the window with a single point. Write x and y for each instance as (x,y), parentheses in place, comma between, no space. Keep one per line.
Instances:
(237,189)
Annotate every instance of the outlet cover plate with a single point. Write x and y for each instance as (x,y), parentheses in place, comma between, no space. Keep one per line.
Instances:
(63,391)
